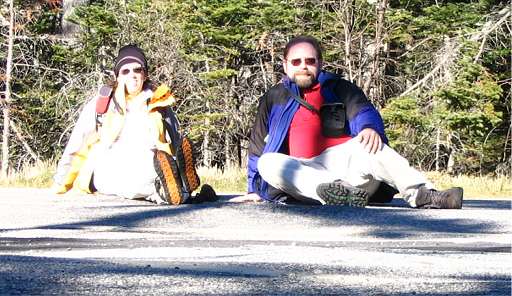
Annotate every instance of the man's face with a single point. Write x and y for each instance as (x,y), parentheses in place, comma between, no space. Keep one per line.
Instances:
(302,65)
(132,76)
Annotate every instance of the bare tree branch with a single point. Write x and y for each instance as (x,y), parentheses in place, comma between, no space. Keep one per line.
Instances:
(23,142)
(487,29)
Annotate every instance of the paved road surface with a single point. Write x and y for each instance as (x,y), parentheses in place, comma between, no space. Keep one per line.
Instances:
(98,245)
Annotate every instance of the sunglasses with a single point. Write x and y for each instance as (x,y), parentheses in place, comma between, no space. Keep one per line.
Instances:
(307,61)
(137,70)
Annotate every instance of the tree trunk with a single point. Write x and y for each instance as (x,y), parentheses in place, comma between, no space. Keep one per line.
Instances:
(227,151)
(207,155)
(69,29)
(451,157)
(231,107)
(359,75)
(244,153)
(371,82)
(267,67)
(275,76)
(451,163)
(7,99)
(348,24)
(5,142)
(438,147)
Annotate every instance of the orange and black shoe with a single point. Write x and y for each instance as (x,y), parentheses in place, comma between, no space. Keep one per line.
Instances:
(169,186)
(187,165)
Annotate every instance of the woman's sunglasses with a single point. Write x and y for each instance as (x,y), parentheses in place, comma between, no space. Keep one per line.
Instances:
(137,70)
(298,62)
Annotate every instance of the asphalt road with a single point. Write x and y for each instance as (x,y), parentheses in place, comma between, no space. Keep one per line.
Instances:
(101,245)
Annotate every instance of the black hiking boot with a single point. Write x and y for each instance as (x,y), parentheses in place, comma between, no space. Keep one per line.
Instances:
(187,165)
(433,199)
(169,184)
(207,194)
(342,193)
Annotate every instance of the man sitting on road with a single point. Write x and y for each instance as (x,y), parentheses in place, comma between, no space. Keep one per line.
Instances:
(318,139)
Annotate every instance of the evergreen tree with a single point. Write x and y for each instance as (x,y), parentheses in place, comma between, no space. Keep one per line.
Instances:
(464,104)
(441,71)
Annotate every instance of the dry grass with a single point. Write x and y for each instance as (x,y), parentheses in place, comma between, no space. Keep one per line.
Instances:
(474,186)
(230,180)
(234,180)
(38,175)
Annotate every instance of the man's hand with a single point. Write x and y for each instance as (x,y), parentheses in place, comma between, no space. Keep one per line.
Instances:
(370,139)
(250,197)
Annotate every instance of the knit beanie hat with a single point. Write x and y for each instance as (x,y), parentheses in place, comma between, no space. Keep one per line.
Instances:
(130,54)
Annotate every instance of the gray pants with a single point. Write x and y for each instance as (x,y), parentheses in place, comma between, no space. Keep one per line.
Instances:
(349,162)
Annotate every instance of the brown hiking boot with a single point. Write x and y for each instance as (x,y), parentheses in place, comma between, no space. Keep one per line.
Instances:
(433,199)
(187,165)
(168,185)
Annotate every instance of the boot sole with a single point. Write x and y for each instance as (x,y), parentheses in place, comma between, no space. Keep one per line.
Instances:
(167,171)
(336,193)
(187,165)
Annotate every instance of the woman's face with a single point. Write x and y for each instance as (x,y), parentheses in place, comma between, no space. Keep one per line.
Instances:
(132,76)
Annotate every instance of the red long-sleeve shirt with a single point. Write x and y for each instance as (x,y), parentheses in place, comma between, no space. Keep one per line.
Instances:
(305,137)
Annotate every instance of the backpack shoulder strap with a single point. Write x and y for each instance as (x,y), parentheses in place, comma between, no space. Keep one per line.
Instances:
(171,126)
(104,97)
(102,101)
(303,102)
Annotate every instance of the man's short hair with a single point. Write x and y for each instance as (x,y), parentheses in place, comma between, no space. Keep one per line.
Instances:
(303,39)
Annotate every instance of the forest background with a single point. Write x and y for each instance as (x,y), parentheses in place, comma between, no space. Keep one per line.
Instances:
(439,71)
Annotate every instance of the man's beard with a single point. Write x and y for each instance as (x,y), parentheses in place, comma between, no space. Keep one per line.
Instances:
(304,79)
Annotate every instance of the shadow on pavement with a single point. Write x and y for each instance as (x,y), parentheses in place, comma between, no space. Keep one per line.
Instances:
(488,204)
(389,222)
(60,276)
(385,222)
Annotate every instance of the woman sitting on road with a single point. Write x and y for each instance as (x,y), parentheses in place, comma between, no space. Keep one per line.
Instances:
(126,142)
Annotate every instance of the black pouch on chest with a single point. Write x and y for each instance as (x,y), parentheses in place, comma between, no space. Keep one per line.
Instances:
(332,116)
(333,119)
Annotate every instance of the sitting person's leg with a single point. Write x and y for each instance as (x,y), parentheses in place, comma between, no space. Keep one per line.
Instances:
(177,178)
(299,178)
(116,173)
(332,174)
(292,175)
(384,194)
(359,167)
(177,175)
(186,162)
(352,163)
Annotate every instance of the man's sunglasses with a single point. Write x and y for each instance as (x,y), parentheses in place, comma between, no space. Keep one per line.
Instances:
(137,70)
(308,61)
